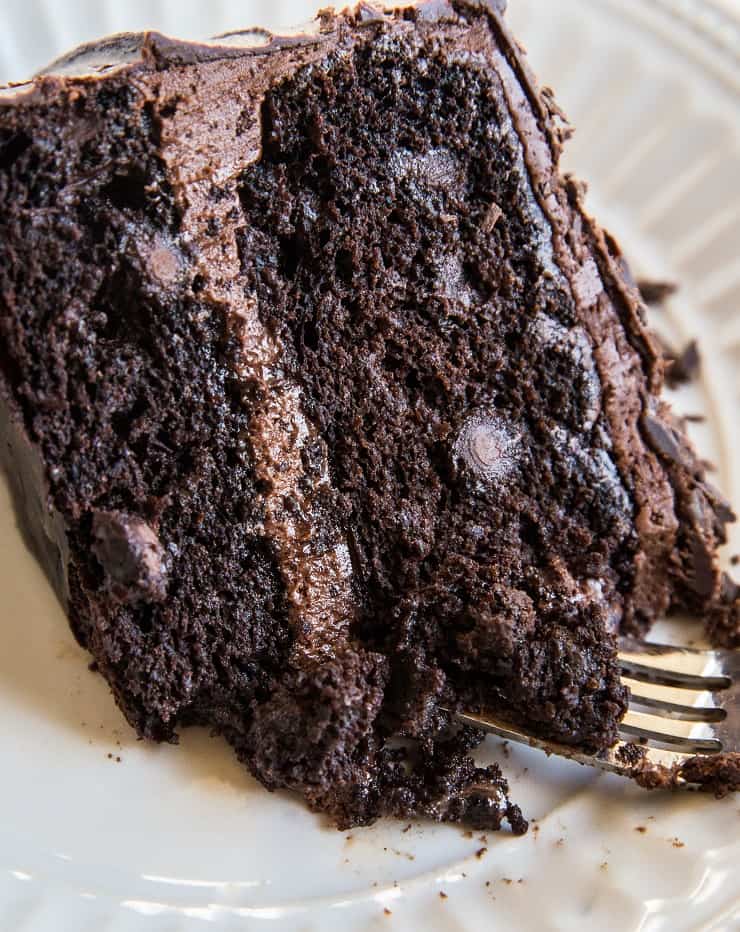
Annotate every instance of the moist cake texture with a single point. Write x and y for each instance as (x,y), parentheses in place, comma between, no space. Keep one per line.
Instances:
(327,408)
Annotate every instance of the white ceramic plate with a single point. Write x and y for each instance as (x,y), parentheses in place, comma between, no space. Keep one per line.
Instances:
(168,838)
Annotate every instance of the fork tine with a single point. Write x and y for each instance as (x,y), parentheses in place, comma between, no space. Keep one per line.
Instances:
(672,710)
(646,673)
(637,727)
(684,659)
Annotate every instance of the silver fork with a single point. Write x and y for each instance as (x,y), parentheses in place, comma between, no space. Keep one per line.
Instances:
(656,730)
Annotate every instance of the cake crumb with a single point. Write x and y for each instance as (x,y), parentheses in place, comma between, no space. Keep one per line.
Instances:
(442,895)
(404,830)
(559,843)
(404,854)
(655,292)
(467,834)
(480,852)
(604,865)
(491,217)
(488,883)
(387,912)
(641,829)
(508,881)
(677,843)
(684,366)
(735,559)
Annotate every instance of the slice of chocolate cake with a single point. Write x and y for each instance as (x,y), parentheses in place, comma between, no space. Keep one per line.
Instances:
(328,409)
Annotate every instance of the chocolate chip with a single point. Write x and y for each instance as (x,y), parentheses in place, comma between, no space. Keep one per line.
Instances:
(722,508)
(662,439)
(684,367)
(655,292)
(702,577)
(131,555)
(730,590)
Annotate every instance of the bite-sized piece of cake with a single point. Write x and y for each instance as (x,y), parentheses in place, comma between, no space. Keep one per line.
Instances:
(328,409)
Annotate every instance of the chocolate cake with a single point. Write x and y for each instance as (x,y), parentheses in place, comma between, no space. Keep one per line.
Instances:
(327,408)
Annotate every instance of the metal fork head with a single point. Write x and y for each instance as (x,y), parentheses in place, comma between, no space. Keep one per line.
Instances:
(659,674)
(662,741)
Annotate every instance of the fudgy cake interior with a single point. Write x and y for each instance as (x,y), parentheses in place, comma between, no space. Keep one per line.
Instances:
(437,354)
(320,397)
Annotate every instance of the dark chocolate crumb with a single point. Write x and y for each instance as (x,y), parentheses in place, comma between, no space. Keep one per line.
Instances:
(683,367)
(655,292)
(491,217)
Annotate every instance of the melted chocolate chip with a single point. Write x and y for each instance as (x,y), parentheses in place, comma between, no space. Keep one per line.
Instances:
(131,555)
(662,438)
